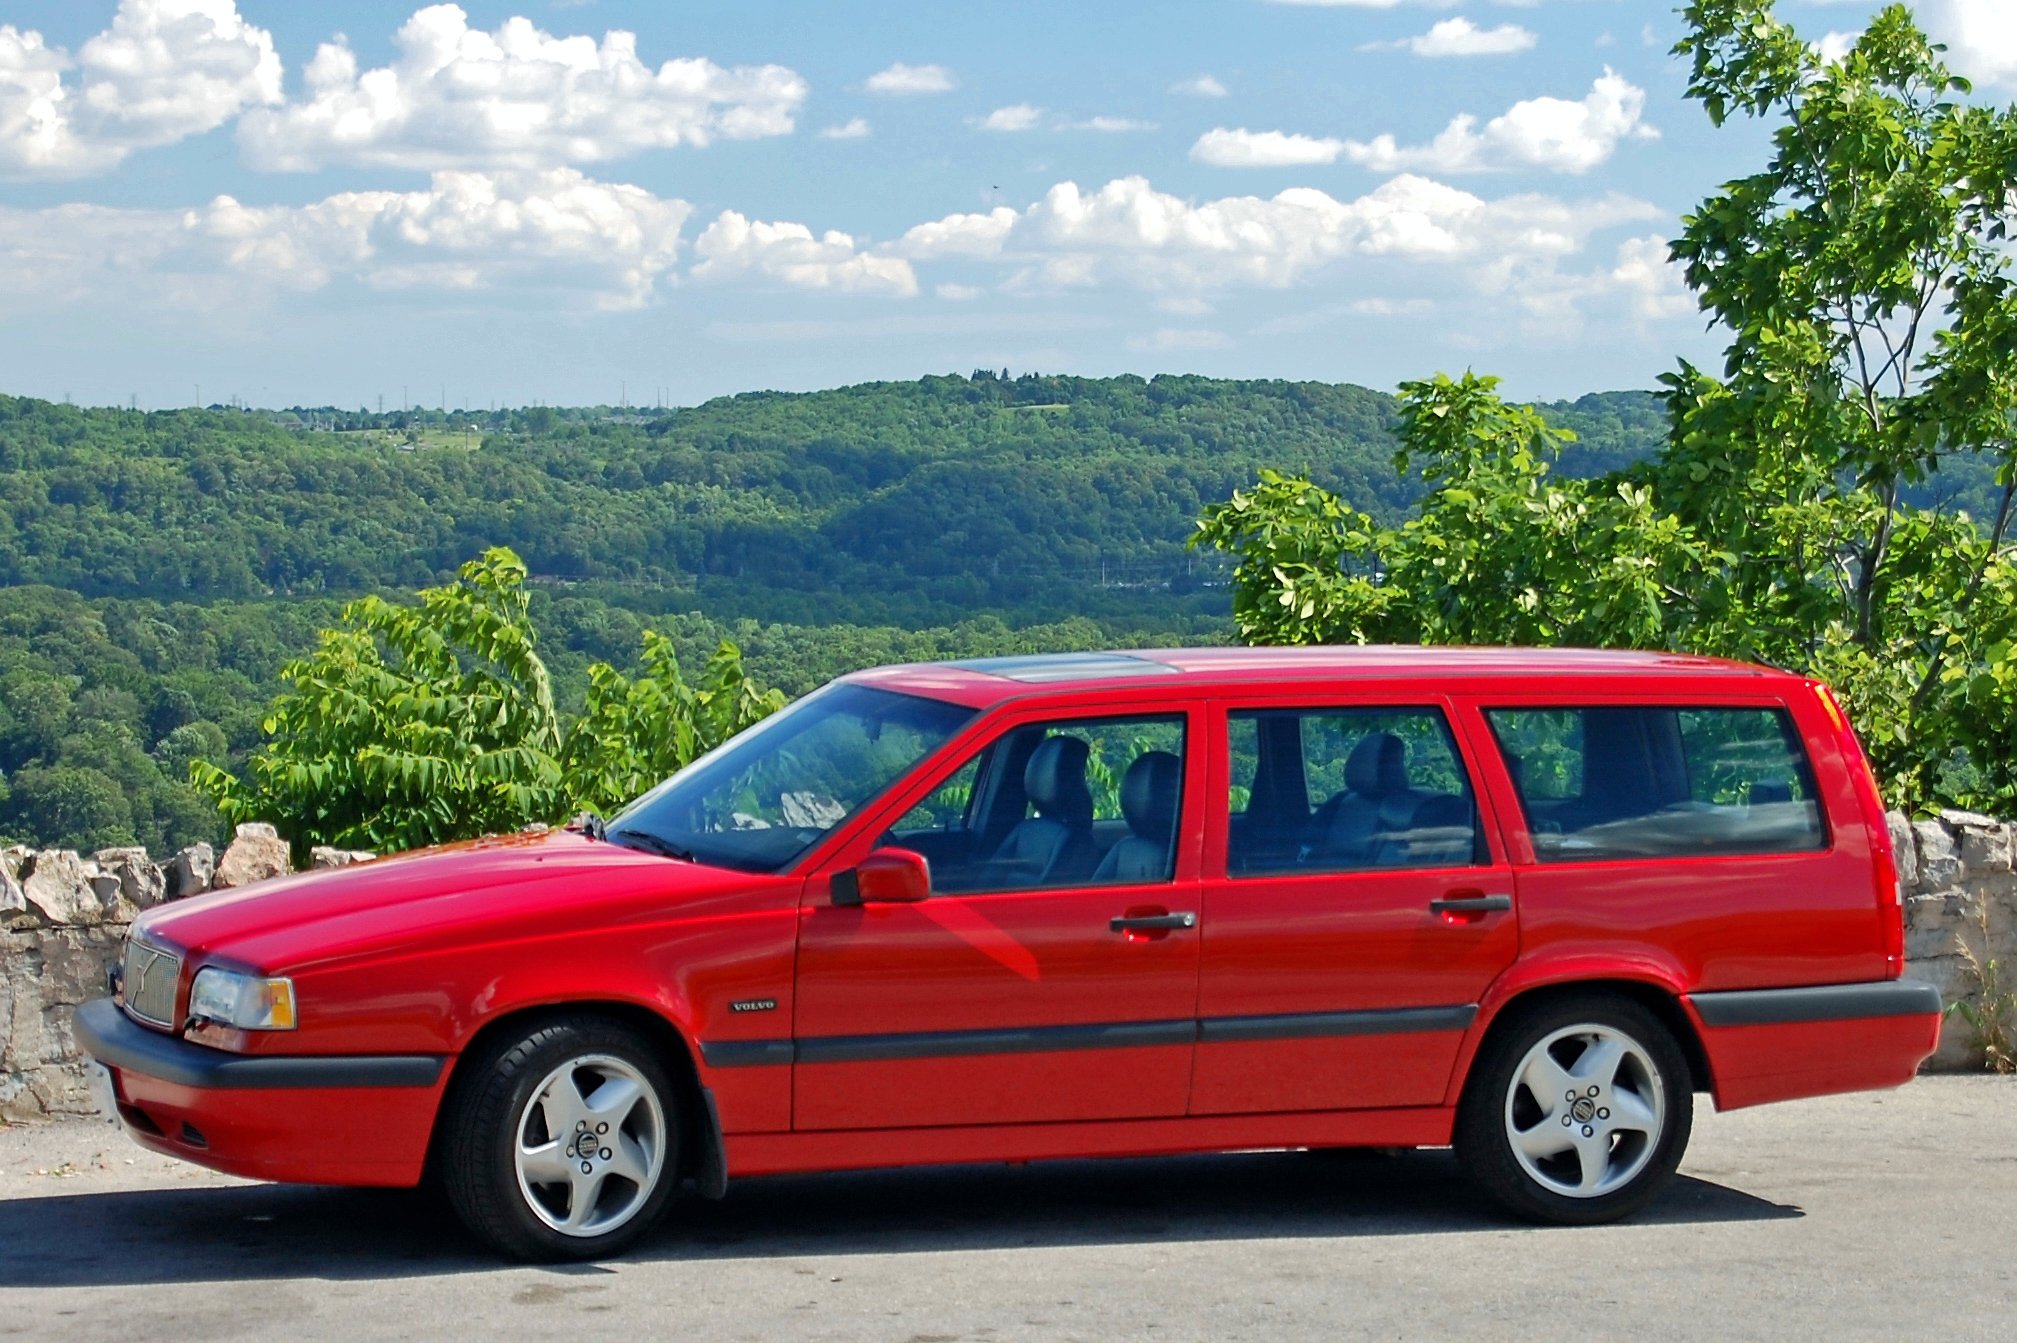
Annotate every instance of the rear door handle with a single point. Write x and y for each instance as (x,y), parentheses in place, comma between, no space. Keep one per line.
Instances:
(1144,923)
(1471,904)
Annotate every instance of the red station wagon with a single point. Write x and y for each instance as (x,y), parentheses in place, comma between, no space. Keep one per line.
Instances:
(1525,903)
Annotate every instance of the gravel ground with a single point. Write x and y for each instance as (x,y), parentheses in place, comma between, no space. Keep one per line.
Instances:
(1888,1215)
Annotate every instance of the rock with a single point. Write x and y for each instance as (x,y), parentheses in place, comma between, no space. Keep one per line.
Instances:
(113,907)
(1939,859)
(324,856)
(190,871)
(12,859)
(14,910)
(1985,849)
(1960,818)
(1903,849)
(128,881)
(257,854)
(256,830)
(58,887)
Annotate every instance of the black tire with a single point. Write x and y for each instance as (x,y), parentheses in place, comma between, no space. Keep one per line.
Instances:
(1636,1165)
(492,1098)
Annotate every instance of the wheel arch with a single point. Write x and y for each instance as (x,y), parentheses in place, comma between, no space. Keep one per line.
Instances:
(1656,997)
(672,1046)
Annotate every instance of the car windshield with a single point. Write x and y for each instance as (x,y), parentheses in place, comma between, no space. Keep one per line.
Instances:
(762,798)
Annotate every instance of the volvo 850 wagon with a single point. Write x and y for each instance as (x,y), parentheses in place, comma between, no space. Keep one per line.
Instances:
(1525,903)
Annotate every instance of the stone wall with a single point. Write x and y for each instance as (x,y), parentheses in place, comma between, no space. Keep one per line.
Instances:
(1955,873)
(63,917)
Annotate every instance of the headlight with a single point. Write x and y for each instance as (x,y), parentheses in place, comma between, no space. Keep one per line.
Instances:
(245,1002)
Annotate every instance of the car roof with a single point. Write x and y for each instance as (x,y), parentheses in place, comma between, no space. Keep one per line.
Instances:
(983,681)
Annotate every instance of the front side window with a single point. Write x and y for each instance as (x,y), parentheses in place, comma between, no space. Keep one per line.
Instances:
(1642,782)
(767,795)
(1346,790)
(1092,801)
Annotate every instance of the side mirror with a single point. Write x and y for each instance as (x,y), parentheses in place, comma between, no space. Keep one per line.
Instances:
(887,876)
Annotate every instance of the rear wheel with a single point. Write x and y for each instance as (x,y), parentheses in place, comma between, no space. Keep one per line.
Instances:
(564,1142)
(1578,1111)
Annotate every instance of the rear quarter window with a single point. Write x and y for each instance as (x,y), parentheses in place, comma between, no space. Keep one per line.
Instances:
(1607,782)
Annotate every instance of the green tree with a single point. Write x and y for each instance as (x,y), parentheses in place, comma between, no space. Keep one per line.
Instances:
(412,725)
(415,725)
(1501,550)
(633,733)
(1863,278)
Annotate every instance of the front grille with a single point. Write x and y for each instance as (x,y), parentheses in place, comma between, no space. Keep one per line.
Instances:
(148,976)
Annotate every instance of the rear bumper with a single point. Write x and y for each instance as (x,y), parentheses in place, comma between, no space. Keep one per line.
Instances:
(299,1118)
(1781,1044)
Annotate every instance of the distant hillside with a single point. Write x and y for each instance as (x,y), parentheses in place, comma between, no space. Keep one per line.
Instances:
(1037,498)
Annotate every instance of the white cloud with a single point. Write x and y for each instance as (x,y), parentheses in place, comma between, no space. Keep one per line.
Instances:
(959,293)
(1460,37)
(854,128)
(517,97)
(1263,149)
(556,230)
(1128,233)
(1834,46)
(1366,4)
(1388,307)
(1553,134)
(164,70)
(1652,281)
(901,79)
(1108,125)
(736,247)
(961,235)
(1170,340)
(1015,117)
(1202,86)
(1981,37)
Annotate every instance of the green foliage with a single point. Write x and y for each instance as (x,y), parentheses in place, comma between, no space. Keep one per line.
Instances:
(1794,515)
(409,725)
(1501,549)
(414,725)
(633,733)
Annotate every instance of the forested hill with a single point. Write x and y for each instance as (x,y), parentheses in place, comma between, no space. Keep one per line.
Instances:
(911,503)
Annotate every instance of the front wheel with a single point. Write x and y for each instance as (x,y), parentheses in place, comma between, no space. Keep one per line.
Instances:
(563,1143)
(1578,1112)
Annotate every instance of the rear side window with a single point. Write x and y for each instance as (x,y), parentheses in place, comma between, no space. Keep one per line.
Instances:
(1347,790)
(1660,782)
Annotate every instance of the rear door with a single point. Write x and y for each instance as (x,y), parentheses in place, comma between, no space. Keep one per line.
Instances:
(1357,904)
(1017,993)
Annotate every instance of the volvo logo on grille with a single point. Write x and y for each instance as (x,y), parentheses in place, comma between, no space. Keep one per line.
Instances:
(138,962)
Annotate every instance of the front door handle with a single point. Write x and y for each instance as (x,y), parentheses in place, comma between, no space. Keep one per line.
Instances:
(1471,904)
(1148,923)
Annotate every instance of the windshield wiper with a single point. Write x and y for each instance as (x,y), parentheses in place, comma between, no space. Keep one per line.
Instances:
(590,824)
(650,843)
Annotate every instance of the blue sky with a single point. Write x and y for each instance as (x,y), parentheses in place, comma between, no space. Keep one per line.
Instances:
(297,203)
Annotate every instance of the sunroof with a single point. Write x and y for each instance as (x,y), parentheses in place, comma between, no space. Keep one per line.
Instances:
(1044,667)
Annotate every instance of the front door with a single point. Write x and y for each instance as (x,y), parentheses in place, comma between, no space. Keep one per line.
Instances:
(1356,908)
(1052,973)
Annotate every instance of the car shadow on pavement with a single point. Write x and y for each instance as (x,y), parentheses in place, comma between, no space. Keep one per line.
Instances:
(271,1232)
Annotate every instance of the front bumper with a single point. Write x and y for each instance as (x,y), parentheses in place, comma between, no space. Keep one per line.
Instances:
(298,1118)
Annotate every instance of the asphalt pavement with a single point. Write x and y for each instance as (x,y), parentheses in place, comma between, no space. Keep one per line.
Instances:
(1889,1215)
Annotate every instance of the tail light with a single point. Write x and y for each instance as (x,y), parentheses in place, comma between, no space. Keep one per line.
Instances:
(1890,905)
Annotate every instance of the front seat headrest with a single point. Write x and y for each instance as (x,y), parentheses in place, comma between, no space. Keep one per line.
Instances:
(1055,781)
(1378,765)
(1149,795)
